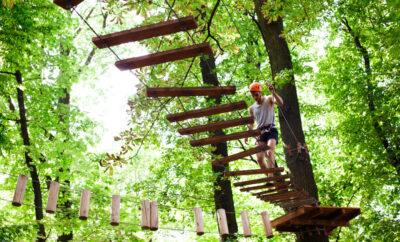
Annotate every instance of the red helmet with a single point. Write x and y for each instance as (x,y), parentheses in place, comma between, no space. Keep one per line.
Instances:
(255,87)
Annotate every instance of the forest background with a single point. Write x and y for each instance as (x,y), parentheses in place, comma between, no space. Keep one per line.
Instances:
(346,67)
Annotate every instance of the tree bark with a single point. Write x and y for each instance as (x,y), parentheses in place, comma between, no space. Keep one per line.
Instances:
(289,115)
(223,189)
(28,160)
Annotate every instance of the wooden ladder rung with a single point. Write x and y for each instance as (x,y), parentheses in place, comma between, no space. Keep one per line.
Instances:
(280,196)
(189,91)
(279,189)
(207,111)
(253,172)
(67,4)
(223,138)
(261,180)
(165,56)
(241,155)
(145,32)
(216,126)
(277,184)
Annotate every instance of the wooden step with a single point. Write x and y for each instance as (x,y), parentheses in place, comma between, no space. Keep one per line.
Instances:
(283,184)
(279,189)
(280,196)
(253,172)
(216,126)
(261,180)
(241,155)
(278,184)
(189,91)
(291,203)
(207,111)
(67,4)
(165,56)
(223,138)
(145,32)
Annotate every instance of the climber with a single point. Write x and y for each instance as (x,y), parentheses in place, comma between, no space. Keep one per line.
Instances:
(263,112)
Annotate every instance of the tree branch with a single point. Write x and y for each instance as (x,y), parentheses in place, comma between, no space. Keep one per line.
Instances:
(8,73)
(209,25)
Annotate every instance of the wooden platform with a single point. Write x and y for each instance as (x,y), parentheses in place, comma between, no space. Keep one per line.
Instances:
(308,217)
(145,32)
(67,4)
(165,56)
(216,126)
(189,91)
(241,155)
(207,111)
(224,138)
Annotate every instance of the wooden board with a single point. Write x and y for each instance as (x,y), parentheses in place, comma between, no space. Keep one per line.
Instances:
(240,155)
(321,216)
(165,56)
(261,180)
(224,138)
(216,126)
(277,184)
(224,108)
(145,32)
(189,91)
(67,4)
(281,195)
(274,190)
(253,172)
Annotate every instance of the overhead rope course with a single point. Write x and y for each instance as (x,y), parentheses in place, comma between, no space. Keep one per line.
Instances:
(305,219)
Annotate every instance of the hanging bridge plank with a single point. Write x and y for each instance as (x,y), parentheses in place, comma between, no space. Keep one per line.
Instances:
(277,184)
(67,4)
(241,155)
(189,91)
(145,32)
(224,108)
(279,189)
(165,56)
(280,196)
(293,203)
(223,138)
(216,125)
(253,172)
(261,180)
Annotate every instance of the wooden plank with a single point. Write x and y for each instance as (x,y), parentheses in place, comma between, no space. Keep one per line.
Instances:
(53,197)
(165,56)
(279,189)
(346,213)
(267,224)
(20,190)
(224,138)
(224,108)
(198,219)
(145,32)
(277,184)
(244,216)
(153,216)
(318,222)
(216,125)
(145,214)
(289,216)
(189,91)
(261,180)
(240,155)
(281,195)
(84,208)
(222,222)
(286,229)
(253,172)
(293,203)
(115,210)
(67,4)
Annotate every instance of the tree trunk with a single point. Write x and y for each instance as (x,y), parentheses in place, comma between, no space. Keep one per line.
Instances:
(223,189)
(289,115)
(28,160)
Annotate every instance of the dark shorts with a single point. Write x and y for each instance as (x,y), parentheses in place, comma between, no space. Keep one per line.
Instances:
(272,134)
